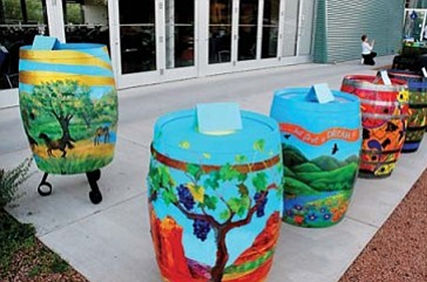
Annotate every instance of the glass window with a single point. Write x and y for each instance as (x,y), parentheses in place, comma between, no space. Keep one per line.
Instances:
(20,21)
(413,28)
(270,28)
(179,33)
(137,35)
(290,32)
(248,26)
(220,21)
(86,21)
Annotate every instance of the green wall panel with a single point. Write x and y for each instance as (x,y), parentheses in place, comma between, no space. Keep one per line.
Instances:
(347,20)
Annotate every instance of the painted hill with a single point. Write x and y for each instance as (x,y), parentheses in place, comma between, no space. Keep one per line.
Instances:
(324,173)
(255,262)
(252,265)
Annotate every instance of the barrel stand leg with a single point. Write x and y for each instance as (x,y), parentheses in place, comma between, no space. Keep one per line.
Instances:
(95,195)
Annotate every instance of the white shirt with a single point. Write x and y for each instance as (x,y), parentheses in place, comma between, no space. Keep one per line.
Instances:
(366,48)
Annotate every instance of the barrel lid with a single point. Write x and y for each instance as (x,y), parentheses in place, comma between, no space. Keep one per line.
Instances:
(295,99)
(176,135)
(367,82)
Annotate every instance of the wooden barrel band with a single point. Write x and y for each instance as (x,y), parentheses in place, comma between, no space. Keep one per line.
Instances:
(242,168)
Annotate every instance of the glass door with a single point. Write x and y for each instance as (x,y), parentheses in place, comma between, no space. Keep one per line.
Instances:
(86,21)
(135,49)
(247,30)
(270,29)
(179,46)
(20,21)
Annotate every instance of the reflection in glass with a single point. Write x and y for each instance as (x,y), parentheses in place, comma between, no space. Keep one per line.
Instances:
(86,21)
(413,28)
(20,21)
(248,23)
(137,35)
(270,28)
(307,17)
(290,33)
(179,33)
(220,22)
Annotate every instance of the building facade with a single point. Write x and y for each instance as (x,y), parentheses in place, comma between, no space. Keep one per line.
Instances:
(154,41)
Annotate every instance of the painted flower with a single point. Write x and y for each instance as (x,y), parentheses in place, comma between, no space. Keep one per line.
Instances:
(289,213)
(322,209)
(327,216)
(298,207)
(403,96)
(312,216)
(299,219)
(384,169)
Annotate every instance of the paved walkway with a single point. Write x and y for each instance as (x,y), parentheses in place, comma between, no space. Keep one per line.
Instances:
(111,241)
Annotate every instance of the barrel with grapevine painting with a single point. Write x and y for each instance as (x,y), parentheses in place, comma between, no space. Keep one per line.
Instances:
(215,200)
(321,146)
(385,111)
(68,105)
(417,86)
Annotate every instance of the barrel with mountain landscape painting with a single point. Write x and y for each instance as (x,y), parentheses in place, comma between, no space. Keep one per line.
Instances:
(321,146)
(417,86)
(385,112)
(68,106)
(215,200)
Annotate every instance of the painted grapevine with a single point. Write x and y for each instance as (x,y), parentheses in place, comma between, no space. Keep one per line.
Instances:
(215,218)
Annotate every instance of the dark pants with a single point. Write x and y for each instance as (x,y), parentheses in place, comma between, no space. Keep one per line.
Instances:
(369,59)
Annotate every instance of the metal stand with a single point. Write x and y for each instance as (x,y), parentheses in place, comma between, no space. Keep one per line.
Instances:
(95,196)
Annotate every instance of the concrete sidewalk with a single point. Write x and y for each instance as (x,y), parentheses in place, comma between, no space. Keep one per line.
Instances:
(111,241)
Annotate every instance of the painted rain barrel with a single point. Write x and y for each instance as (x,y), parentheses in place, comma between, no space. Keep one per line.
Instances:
(215,201)
(321,146)
(385,112)
(68,104)
(417,86)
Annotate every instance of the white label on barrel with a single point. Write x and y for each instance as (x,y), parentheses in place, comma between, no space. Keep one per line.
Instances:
(320,93)
(385,77)
(218,118)
(424,71)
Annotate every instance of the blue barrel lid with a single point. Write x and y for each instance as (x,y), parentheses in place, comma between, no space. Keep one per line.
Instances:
(295,99)
(176,136)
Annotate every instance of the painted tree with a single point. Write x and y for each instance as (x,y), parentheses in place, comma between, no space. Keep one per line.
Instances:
(63,100)
(199,202)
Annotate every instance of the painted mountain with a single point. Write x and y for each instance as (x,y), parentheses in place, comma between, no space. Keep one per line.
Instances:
(317,191)
(251,266)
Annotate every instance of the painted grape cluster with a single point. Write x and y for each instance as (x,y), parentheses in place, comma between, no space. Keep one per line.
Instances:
(261,207)
(201,229)
(185,197)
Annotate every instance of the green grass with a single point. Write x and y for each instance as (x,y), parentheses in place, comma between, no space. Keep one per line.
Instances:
(17,238)
(73,165)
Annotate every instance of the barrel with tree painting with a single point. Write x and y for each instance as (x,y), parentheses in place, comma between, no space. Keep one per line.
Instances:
(385,112)
(215,200)
(417,86)
(68,105)
(321,146)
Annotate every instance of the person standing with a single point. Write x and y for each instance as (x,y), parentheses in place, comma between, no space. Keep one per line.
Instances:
(367,54)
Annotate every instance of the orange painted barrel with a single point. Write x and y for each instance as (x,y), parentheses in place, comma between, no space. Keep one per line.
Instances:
(385,110)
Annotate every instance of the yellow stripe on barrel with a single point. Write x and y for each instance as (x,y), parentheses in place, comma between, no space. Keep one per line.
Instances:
(65,58)
(39,77)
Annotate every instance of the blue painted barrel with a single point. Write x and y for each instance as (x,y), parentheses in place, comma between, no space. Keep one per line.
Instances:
(215,200)
(321,146)
(68,105)
(417,121)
